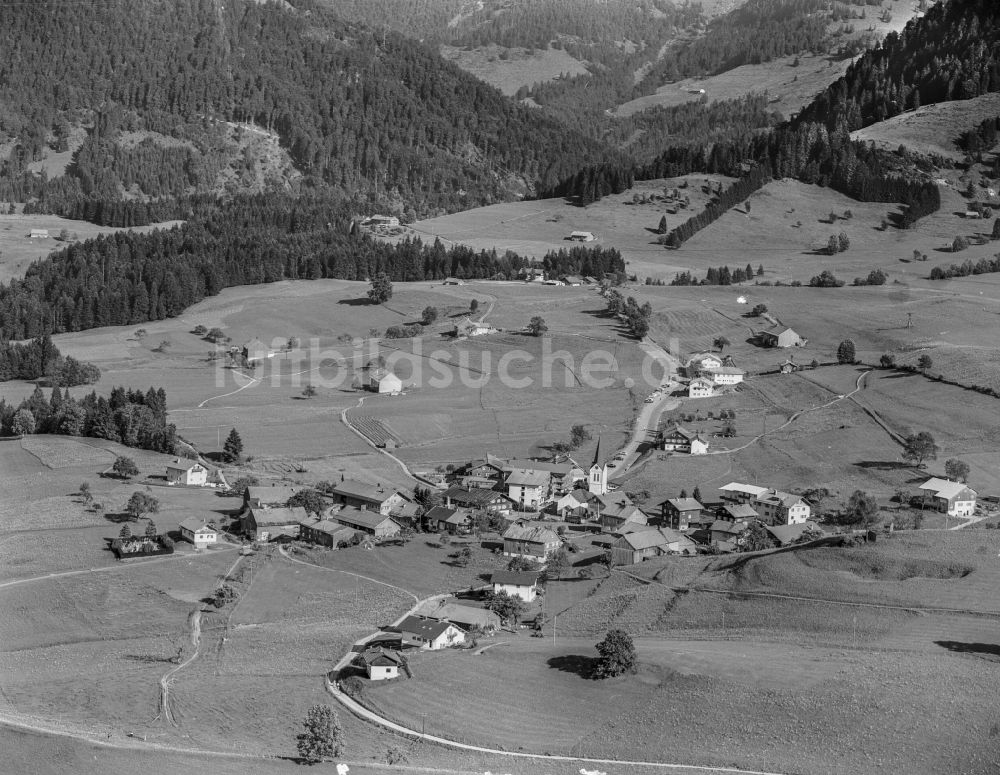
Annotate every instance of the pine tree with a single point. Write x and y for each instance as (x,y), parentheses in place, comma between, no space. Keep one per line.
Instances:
(232,450)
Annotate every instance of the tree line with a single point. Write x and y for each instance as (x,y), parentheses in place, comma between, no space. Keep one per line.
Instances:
(129,417)
(40,358)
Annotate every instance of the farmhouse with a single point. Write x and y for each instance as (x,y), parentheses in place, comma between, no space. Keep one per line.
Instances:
(639,545)
(738,512)
(479,474)
(381,221)
(490,501)
(255,350)
(536,543)
(573,505)
(453,281)
(701,361)
(582,236)
(38,234)
(466,617)
(725,532)
(563,474)
(615,510)
(783,535)
(700,387)
(381,664)
(371,522)
(407,513)
(198,532)
(449,520)
(429,634)
(470,327)
(325,532)
(572,280)
(371,497)
(522,584)
(380,381)
(186,472)
(780,337)
(679,513)
(725,375)
(678,439)
(528,488)
(953,498)
(277,495)
(268,524)
(781,508)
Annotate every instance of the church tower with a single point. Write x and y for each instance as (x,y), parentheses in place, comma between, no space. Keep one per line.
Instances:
(597,483)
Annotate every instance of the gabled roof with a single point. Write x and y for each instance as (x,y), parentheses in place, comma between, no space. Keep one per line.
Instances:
(725,370)
(372,493)
(785,499)
(526,477)
(533,535)
(194,525)
(684,433)
(277,494)
(514,578)
(464,614)
(451,516)
(725,526)
(699,357)
(748,489)
(474,497)
(684,504)
(368,519)
(945,488)
(700,381)
(330,527)
(285,515)
(406,509)
(424,628)
(741,511)
(183,464)
(786,534)
(560,469)
(380,657)
(651,537)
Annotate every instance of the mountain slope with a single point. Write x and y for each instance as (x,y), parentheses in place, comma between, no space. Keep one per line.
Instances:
(370,114)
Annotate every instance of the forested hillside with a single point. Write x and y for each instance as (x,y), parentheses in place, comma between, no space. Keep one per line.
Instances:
(366,113)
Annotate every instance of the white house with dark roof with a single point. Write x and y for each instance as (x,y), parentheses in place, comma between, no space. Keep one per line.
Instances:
(700,387)
(953,498)
(522,584)
(186,472)
(198,532)
(381,664)
(725,375)
(430,634)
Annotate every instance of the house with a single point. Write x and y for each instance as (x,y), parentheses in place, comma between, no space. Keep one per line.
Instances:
(734,492)
(479,474)
(781,508)
(430,634)
(522,584)
(738,512)
(582,236)
(572,280)
(597,476)
(276,495)
(373,523)
(38,234)
(381,381)
(381,664)
(490,501)
(449,520)
(783,535)
(186,472)
(407,513)
(973,214)
(255,350)
(781,337)
(679,513)
(616,510)
(361,495)
(325,532)
(953,498)
(381,221)
(563,475)
(465,617)
(636,546)
(699,362)
(724,531)
(678,439)
(535,543)
(700,387)
(573,505)
(198,532)
(469,327)
(267,524)
(528,488)
(453,281)
(725,375)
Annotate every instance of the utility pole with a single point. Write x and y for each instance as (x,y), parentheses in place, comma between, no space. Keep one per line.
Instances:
(909,320)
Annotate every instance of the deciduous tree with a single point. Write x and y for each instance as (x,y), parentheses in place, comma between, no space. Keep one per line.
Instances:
(846,352)
(381,289)
(956,469)
(537,326)
(140,504)
(919,448)
(125,467)
(321,735)
(861,509)
(617,655)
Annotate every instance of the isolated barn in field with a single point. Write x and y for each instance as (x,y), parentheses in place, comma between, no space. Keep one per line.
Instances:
(582,236)
(783,337)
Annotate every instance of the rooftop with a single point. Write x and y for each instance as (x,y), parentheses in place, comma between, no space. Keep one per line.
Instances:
(684,504)
(526,477)
(351,516)
(944,488)
(194,524)
(373,493)
(514,578)
(424,628)
(535,535)
(283,515)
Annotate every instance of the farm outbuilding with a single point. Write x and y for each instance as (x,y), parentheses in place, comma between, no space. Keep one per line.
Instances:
(370,522)
(784,337)
(384,382)
(641,545)
(582,236)
(38,234)
(430,634)
(381,664)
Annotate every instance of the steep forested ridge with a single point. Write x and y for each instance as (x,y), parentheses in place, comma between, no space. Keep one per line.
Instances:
(361,111)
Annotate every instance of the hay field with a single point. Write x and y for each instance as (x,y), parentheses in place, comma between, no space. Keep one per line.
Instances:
(517,68)
(932,129)
(18,251)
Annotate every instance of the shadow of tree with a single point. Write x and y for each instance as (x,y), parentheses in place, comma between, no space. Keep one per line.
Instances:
(579,664)
(989,651)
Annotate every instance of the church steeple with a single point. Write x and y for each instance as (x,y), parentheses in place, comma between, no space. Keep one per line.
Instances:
(597,482)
